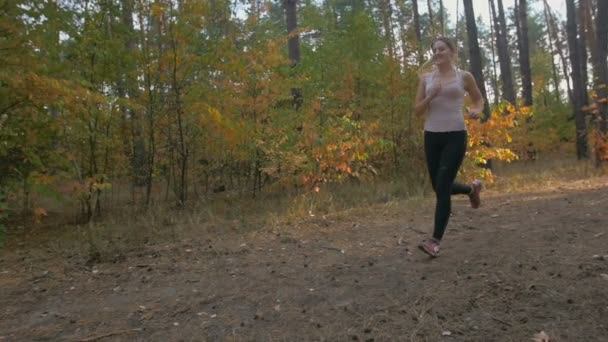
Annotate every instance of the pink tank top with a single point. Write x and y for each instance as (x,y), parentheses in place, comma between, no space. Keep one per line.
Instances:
(446,109)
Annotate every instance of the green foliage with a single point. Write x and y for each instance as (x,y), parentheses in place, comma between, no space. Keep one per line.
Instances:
(192,90)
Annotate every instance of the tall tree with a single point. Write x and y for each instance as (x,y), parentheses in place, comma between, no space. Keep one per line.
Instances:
(504,58)
(554,32)
(417,30)
(291,18)
(552,51)
(430,10)
(387,14)
(599,53)
(442,17)
(127,87)
(475,54)
(577,82)
(493,49)
(582,52)
(524,50)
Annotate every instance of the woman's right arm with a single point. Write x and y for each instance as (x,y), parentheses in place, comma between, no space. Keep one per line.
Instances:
(422,101)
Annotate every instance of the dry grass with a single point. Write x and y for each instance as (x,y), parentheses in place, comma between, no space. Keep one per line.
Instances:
(545,173)
(126,228)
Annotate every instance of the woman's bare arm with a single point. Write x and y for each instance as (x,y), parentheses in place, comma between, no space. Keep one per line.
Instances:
(471,87)
(422,100)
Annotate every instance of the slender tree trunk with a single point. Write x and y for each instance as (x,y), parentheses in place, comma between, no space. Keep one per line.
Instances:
(442,17)
(386,13)
(431,22)
(524,52)
(554,31)
(600,70)
(519,42)
(127,86)
(475,54)
(583,57)
(403,30)
(504,58)
(552,51)
(150,88)
(577,82)
(182,148)
(492,39)
(293,45)
(417,31)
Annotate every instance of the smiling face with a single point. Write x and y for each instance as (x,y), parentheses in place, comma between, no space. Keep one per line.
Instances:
(442,53)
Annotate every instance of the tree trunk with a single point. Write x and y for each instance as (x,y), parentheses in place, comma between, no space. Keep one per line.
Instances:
(583,57)
(552,51)
(475,54)
(291,19)
(403,31)
(417,31)
(554,31)
(577,82)
(524,52)
(182,147)
(600,69)
(386,13)
(430,8)
(504,58)
(128,87)
(442,17)
(495,74)
(150,89)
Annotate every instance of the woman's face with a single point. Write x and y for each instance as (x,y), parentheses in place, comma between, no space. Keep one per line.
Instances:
(442,53)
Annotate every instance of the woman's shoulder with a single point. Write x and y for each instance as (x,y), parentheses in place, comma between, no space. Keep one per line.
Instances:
(466,75)
(467,78)
(425,75)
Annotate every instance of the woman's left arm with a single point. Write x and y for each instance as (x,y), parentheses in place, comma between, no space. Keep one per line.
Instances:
(471,87)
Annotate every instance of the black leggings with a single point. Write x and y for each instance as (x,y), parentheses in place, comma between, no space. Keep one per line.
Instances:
(444,154)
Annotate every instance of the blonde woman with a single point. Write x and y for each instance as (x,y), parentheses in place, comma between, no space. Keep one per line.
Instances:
(441,95)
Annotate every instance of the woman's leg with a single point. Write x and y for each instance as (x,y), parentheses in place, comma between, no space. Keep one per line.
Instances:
(461,189)
(450,159)
(433,145)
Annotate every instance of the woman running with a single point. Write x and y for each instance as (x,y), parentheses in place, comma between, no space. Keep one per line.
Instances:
(441,95)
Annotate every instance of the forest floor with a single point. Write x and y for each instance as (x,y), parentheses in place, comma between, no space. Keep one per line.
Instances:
(525,262)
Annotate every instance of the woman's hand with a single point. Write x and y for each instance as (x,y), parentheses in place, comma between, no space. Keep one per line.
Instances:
(471,87)
(473,115)
(434,91)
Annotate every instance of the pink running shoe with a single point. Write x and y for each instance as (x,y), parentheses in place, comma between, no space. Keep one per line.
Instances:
(474,195)
(430,247)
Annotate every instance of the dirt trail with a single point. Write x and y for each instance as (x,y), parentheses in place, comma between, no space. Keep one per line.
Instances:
(520,264)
